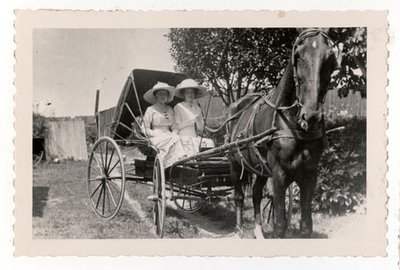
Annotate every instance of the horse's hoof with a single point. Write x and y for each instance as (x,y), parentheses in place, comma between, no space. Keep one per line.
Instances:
(258,232)
(238,233)
(238,236)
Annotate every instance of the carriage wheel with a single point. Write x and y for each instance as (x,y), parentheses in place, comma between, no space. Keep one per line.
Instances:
(186,204)
(268,213)
(37,158)
(106,178)
(159,193)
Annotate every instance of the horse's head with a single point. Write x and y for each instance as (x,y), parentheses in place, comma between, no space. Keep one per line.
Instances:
(313,62)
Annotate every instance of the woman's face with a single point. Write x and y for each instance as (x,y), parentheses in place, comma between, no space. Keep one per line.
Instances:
(161,96)
(189,94)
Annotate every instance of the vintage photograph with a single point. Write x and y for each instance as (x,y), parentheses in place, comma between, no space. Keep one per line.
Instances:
(146,134)
(199,132)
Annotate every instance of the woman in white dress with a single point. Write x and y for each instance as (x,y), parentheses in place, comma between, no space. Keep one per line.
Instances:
(188,115)
(159,123)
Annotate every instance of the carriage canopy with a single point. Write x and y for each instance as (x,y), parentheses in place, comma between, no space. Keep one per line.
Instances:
(138,82)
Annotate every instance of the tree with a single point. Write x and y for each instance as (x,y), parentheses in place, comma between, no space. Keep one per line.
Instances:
(352,72)
(235,60)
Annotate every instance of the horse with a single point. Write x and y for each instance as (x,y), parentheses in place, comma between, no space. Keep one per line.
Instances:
(293,111)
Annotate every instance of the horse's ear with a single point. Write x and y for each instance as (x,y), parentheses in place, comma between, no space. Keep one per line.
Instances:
(300,30)
(325,29)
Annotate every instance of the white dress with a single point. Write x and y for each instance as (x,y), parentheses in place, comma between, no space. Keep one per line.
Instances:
(189,122)
(159,126)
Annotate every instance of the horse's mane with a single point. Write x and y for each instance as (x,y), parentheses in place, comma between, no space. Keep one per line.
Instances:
(277,95)
(273,94)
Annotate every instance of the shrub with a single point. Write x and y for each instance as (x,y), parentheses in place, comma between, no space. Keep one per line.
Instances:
(341,185)
(342,171)
(91,132)
(39,126)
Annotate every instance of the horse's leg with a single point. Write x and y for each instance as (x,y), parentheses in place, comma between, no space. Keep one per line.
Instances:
(257,197)
(238,198)
(307,186)
(279,189)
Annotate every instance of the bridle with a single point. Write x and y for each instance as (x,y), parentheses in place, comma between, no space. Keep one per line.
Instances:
(304,35)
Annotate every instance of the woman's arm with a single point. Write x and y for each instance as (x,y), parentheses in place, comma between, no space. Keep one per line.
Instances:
(174,126)
(199,120)
(147,120)
(181,119)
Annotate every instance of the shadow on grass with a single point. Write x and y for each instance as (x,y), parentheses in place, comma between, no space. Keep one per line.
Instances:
(40,197)
(293,230)
(215,219)
(294,233)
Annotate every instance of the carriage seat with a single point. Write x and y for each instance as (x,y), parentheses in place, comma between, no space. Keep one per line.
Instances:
(206,144)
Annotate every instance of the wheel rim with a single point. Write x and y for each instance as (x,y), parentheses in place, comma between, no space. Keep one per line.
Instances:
(37,158)
(106,178)
(159,191)
(186,204)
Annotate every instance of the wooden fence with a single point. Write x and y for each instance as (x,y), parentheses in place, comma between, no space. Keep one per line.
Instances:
(335,107)
(66,139)
(105,119)
(352,105)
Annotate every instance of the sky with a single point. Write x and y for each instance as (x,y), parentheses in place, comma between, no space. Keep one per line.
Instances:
(70,64)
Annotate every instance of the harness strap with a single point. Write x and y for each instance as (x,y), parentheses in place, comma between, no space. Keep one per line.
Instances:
(244,161)
(249,123)
(249,130)
(234,116)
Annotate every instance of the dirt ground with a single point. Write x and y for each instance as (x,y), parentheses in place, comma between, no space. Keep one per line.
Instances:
(61,210)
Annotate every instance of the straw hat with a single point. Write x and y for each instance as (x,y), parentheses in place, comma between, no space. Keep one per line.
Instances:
(190,83)
(150,97)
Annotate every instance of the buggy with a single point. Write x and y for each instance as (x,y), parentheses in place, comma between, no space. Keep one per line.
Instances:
(189,183)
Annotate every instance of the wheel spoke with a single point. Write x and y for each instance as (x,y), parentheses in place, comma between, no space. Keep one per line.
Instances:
(98,162)
(101,156)
(95,179)
(110,178)
(111,156)
(112,196)
(91,196)
(116,163)
(115,185)
(104,200)
(106,160)
(95,169)
(270,211)
(108,200)
(98,199)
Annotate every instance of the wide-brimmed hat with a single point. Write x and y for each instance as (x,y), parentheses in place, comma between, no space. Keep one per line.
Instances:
(190,83)
(150,97)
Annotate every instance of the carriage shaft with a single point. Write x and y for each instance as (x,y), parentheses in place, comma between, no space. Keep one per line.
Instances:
(225,147)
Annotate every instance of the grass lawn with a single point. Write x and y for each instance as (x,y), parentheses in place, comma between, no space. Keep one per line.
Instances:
(61,210)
